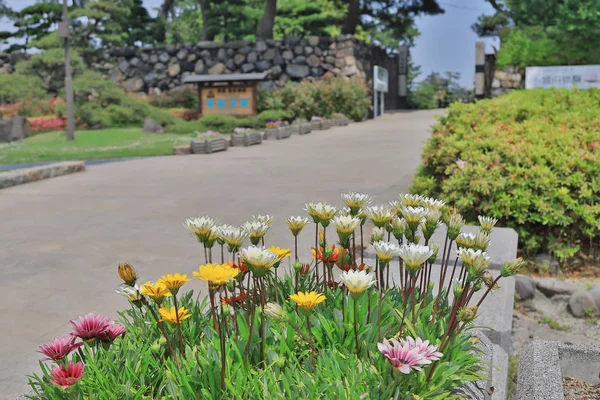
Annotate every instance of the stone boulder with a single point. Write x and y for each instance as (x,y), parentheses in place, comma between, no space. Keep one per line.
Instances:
(524,287)
(551,287)
(152,126)
(174,69)
(5,131)
(546,261)
(134,84)
(582,304)
(15,129)
(216,69)
(595,293)
(298,71)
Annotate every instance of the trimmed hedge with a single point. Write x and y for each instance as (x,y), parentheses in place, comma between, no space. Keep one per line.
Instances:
(227,123)
(530,159)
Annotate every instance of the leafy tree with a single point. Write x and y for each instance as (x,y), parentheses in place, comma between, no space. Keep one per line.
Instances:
(544,32)
(394,16)
(32,23)
(302,18)
(100,25)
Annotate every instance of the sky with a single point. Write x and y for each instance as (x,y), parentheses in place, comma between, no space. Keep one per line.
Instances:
(447,42)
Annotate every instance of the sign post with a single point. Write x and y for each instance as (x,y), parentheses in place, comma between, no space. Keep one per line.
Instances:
(380,88)
(403,76)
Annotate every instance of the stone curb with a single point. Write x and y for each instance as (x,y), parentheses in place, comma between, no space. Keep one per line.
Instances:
(21,176)
(493,359)
(542,365)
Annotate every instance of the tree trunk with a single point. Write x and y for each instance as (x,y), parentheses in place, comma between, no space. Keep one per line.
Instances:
(205,9)
(265,28)
(166,8)
(352,18)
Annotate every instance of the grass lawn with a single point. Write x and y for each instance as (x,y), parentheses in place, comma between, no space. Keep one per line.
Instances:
(104,143)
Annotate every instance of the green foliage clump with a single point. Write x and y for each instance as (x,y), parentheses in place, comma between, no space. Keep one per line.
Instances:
(18,87)
(183,97)
(49,67)
(100,103)
(530,159)
(321,98)
(227,123)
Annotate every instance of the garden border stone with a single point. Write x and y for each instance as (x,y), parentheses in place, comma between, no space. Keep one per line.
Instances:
(280,133)
(246,139)
(28,175)
(543,364)
(316,125)
(305,128)
(208,146)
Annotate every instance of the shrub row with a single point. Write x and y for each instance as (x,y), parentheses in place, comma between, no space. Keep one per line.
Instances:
(322,98)
(227,123)
(531,159)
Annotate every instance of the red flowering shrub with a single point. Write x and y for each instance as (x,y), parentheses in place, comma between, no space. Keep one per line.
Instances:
(47,123)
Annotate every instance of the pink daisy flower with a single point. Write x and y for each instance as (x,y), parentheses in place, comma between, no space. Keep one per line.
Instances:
(58,349)
(90,326)
(112,332)
(402,357)
(66,377)
(427,350)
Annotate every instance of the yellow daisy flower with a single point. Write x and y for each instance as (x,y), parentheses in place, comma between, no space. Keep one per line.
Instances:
(308,300)
(170,315)
(216,274)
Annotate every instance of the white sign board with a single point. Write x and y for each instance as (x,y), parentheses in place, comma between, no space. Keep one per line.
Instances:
(380,79)
(568,77)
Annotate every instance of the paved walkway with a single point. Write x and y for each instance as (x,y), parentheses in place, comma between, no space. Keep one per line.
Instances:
(63,238)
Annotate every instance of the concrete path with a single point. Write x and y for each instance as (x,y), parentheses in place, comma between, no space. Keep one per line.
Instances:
(63,238)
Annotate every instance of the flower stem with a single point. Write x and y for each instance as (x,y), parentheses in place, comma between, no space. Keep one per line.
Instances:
(162,331)
(211,295)
(181,345)
(262,320)
(356,329)
(222,343)
(316,252)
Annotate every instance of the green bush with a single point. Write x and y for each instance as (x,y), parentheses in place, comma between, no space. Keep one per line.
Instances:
(530,159)
(100,103)
(321,98)
(227,123)
(182,97)
(20,87)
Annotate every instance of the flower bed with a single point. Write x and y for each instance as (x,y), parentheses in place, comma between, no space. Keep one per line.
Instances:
(277,130)
(335,328)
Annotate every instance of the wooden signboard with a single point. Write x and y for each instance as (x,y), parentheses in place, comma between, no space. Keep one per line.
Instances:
(232,99)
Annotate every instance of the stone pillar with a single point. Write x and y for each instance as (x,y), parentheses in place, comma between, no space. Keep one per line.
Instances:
(479,70)
(403,77)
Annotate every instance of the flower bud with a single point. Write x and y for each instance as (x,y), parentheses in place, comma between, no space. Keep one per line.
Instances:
(512,268)
(482,240)
(297,266)
(231,285)
(467,314)
(274,311)
(435,248)
(455,224)
(377,235)
(457,290)
(127,274)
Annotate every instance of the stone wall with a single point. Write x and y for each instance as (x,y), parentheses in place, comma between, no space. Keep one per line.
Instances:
(162,68)
(506,81)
